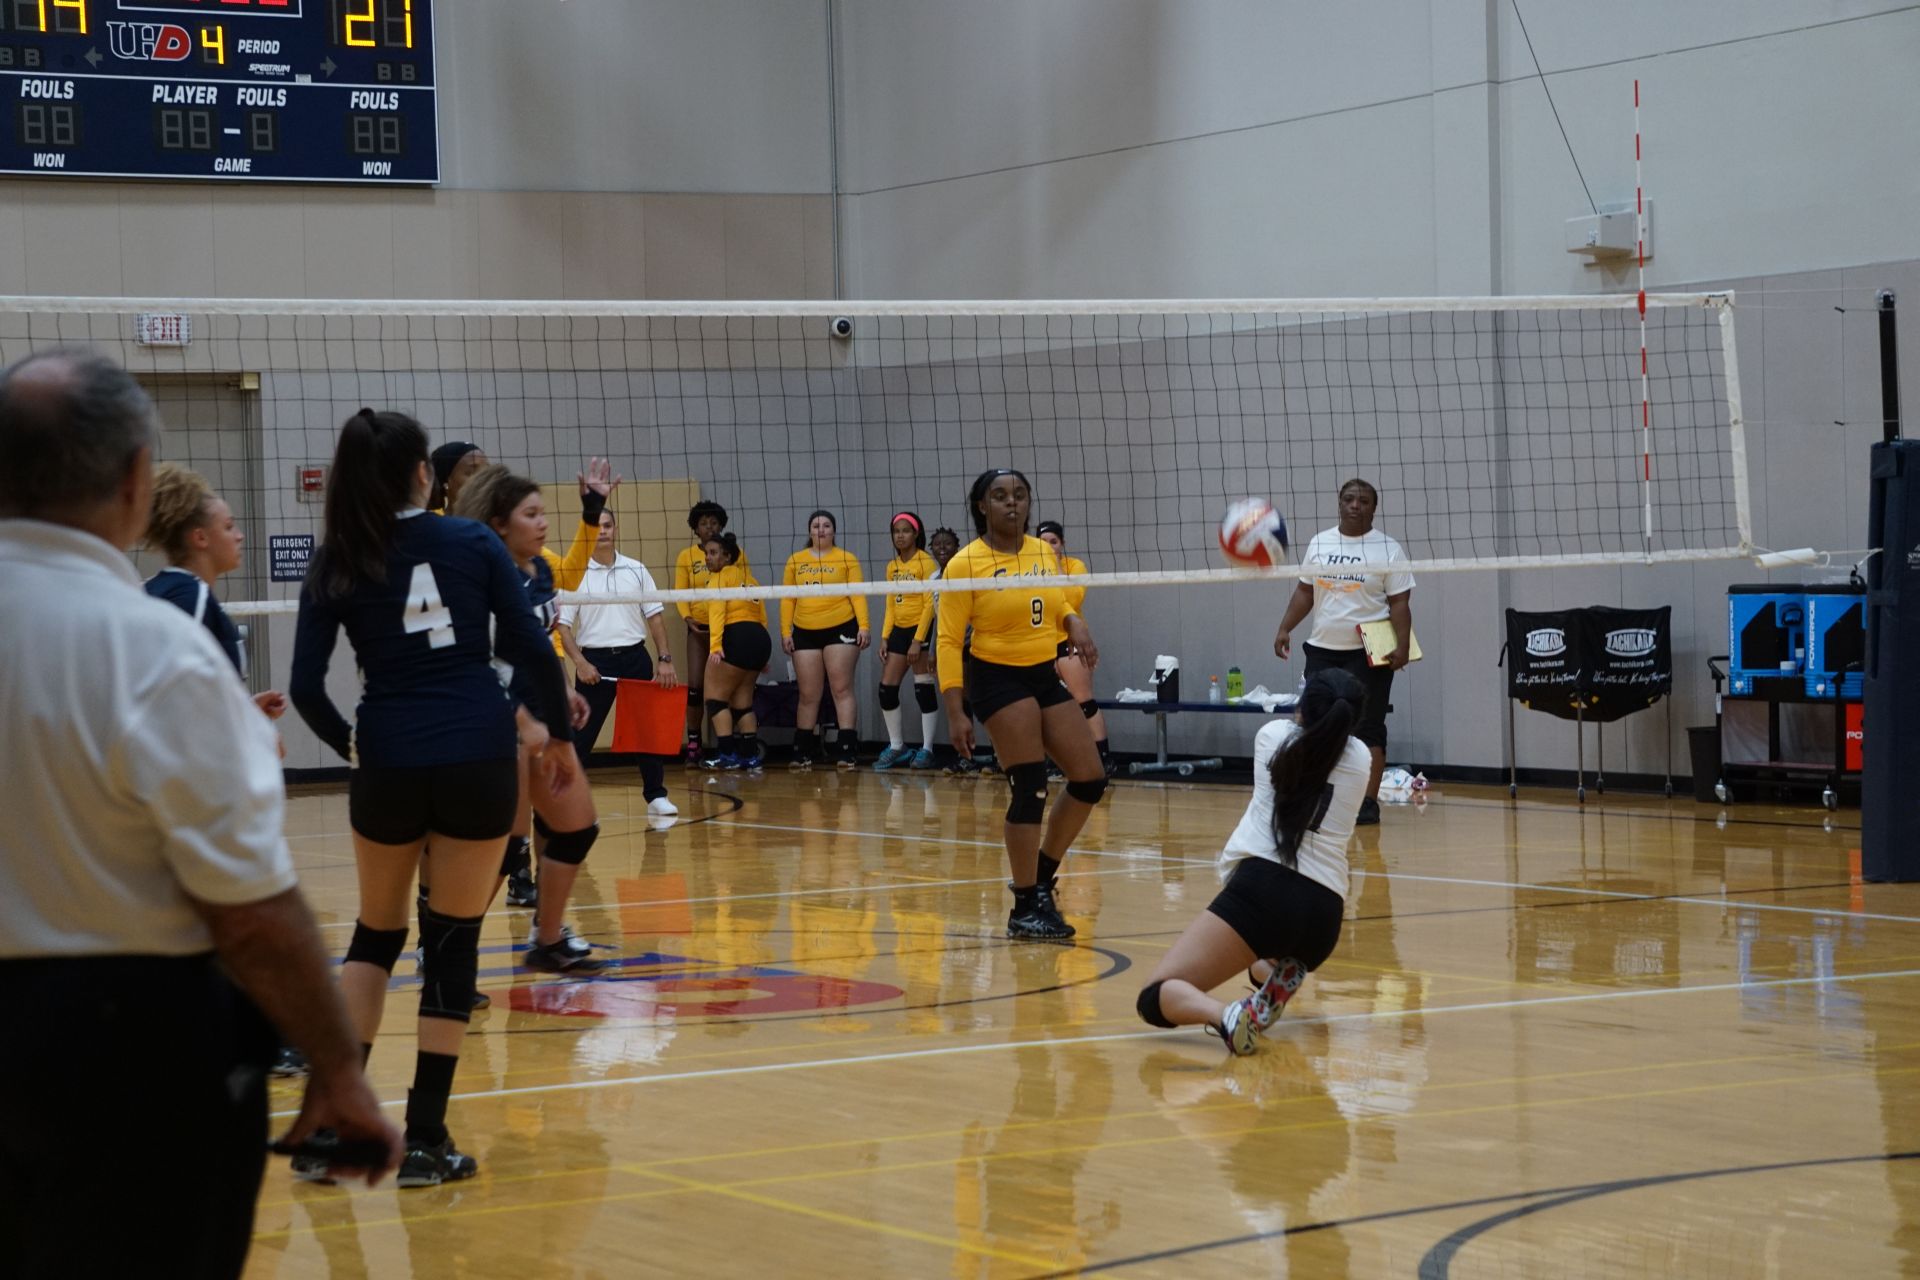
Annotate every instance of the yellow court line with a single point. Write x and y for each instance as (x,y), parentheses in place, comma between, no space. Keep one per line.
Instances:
(844,1220)
(730,1189)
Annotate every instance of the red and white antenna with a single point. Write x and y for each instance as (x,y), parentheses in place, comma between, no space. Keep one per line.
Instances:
(1646,406)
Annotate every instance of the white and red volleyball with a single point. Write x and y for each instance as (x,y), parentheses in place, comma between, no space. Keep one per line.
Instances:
(1254,534)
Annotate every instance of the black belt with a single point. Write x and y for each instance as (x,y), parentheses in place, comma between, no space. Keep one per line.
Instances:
(611,648)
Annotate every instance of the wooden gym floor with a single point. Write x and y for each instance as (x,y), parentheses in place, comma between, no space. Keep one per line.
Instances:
(1628,1041)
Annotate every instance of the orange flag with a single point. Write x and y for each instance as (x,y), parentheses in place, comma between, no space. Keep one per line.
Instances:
(647,719)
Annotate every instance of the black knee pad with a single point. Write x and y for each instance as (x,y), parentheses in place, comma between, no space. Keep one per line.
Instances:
(926,695)
(715,706)
(516,858)
(1089,708)
(889,697)
(1149,1007)
(1088,792)
(1029,803)
(540,825)
(571,847)
(378,947)
(449,969)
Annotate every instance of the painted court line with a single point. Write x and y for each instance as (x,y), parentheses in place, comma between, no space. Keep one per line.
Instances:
(945,1051)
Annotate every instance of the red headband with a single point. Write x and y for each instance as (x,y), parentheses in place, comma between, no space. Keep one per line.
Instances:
(910,518)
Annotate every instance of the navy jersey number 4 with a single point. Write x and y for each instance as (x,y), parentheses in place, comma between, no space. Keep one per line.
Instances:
(426,611)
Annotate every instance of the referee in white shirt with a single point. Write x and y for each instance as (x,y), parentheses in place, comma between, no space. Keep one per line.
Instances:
(606,644)
(1344,601)
(143,873)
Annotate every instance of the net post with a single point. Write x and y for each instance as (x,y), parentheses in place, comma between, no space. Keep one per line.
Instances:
(1889,370)
(1736,421)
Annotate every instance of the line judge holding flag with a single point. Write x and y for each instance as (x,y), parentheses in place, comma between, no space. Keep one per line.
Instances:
(1343,602)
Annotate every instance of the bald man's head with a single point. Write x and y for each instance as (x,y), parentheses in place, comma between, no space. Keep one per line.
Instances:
(73,426)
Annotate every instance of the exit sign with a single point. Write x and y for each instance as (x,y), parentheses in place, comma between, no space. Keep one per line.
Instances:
(163,328)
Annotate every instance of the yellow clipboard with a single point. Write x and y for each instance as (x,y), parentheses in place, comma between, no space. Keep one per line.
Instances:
(1379,641)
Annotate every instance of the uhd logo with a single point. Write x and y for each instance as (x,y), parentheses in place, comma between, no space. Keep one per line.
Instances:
(1634,642)
(148,41)
(1546,642)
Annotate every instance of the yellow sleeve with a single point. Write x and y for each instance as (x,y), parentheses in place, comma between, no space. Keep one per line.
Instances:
(886,614)
(790,605)
(859,602)
(956,612)
(569,573)
(683,581)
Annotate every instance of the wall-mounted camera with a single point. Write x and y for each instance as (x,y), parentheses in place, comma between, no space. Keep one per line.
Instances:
(842,327)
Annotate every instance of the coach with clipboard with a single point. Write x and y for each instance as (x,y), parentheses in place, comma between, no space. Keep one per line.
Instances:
(1363,623)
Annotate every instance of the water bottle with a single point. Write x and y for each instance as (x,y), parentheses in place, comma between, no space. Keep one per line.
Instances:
(1214,693)
(1236,685)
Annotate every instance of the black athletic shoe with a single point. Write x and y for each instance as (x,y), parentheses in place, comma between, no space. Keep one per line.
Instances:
(289,1063)
(431,1166)
(481,1000)
(1369,815)
(848,756)
(559,957)
(522,891)
(1035,918)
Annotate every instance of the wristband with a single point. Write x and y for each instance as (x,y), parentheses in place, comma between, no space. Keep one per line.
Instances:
(592,503)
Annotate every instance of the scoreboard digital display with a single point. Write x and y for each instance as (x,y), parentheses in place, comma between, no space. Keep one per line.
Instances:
(269,90)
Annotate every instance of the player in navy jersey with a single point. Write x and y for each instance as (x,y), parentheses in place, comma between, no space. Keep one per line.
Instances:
(433,743)
(193,527)
(512,506)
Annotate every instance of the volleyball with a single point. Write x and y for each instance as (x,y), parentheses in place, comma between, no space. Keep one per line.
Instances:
(1253,533)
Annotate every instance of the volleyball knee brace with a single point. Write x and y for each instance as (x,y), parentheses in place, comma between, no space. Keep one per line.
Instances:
(378,947)
(1148,1006)
(926,695)
(715,706)
(1029,803)
(889,697)
(449,969)
(570,848)
(1089,708)
(1088,792)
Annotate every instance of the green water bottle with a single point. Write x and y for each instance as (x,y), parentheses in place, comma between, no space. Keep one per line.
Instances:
(1236,685)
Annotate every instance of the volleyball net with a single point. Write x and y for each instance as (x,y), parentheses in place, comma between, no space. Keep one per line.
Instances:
(1508,432)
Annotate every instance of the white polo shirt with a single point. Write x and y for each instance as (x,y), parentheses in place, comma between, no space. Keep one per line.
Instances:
(612,626)
(1342,601)
(136,769)
(1322,853)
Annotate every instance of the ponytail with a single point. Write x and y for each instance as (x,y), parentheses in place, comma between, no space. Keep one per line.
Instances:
(1329,708)
(374,467)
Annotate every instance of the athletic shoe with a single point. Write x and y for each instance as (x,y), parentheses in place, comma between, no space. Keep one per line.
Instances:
(922,759)
(989,765)
(560,957)
(481,1000)
(891,757)
(568,938)
(714,760)
(661,807)
(1034,918)
(729,760)
(1369,815)
(847,757)
(963,768)
(312,1169)
(1263,1007)
(1054,772)
(430,1166)
(800,763)
(522,891)
(289,1063)
(692,751)
(1237,1029)
(1112,766)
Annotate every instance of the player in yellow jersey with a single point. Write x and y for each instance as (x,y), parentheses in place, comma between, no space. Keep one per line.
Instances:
(1073,672)
(737,660)
(453,465)
(825,635)
(708,520)
(1010,678)
(903,630)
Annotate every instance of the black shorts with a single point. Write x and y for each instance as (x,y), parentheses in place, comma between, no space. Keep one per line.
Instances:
(1280,913)
(1372,727)
(746,645)
(992,687)
(475,800)
(822,637)
(900,640)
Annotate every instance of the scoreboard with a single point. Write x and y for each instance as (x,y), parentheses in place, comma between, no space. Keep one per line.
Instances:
(268,90)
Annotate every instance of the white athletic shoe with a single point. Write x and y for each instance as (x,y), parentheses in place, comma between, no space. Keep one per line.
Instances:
(661,807)
(570,940)
(1237,1028)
